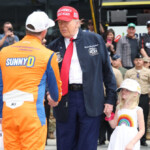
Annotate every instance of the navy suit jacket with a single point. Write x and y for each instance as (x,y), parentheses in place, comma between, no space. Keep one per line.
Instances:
(95,64)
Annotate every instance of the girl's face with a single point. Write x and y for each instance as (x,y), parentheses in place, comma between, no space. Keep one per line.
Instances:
(110,36)
(125,94)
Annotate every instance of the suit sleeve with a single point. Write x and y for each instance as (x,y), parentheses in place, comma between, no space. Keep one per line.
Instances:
(1,90)
(108,75)
(53,78)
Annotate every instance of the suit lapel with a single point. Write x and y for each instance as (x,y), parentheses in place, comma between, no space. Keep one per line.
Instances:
(80,50)
(61,46)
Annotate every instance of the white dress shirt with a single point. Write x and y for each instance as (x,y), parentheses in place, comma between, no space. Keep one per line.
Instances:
(75,72)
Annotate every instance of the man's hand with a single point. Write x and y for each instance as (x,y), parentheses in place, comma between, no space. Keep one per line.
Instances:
(9,33)
(0,120)
(82,21)
(51,102)
(108,109)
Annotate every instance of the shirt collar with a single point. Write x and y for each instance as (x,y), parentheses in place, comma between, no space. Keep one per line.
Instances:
(138,70)
(74,37)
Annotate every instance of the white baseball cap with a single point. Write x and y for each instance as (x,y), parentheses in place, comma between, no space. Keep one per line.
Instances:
(40,21)
(131,85)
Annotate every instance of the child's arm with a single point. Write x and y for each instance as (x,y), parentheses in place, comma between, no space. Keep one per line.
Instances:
(113,122)
(141,132)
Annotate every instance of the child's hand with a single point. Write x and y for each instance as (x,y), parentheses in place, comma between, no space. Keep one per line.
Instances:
(129,146)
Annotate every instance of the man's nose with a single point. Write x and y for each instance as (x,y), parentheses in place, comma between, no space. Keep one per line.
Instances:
(62,24)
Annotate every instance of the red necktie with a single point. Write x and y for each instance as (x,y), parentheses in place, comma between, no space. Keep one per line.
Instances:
(64,74)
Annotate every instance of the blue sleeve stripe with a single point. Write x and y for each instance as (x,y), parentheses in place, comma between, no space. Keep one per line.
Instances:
(1,94)
(39,102)
(51,80)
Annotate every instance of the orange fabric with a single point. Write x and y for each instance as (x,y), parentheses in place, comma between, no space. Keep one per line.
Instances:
(23,130)
(31,77)
(23,66)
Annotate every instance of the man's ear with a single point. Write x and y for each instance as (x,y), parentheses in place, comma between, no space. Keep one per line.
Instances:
(78,24)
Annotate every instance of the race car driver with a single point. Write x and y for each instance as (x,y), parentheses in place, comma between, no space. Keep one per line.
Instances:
(24,69)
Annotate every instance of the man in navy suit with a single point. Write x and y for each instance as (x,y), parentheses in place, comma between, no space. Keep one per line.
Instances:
(79,112)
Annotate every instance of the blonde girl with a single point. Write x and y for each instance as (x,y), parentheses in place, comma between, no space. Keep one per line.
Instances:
(127,118)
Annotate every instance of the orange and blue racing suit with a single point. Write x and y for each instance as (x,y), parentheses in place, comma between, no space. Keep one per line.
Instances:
(25,67)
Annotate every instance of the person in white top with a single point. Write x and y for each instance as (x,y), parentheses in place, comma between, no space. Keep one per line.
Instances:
(127,118)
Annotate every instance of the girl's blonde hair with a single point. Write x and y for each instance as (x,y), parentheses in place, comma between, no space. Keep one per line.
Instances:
(132,97)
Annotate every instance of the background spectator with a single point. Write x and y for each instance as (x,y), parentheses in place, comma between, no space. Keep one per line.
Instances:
(90,25)
(116,63)
(146,62)
(110,44)
(145,42)
(8,37)
(118,76)
(128,47)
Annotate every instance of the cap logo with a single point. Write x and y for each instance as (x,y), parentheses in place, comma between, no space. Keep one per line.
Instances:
(63,13)
(67,10)
(67,13)
(138,88)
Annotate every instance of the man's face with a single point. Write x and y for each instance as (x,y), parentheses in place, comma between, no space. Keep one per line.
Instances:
(91,27)
(68,28)
(6,27)
(146,64)
(131,32)
(116,63)
(148,28)
(138,62)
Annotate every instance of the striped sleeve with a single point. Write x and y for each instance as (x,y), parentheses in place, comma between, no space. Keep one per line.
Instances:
(1,90)
(53,78)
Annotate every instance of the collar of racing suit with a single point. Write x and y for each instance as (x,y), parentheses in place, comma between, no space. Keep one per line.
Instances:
(32,37)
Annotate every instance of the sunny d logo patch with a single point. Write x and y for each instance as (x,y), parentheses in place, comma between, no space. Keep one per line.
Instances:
(21,61)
